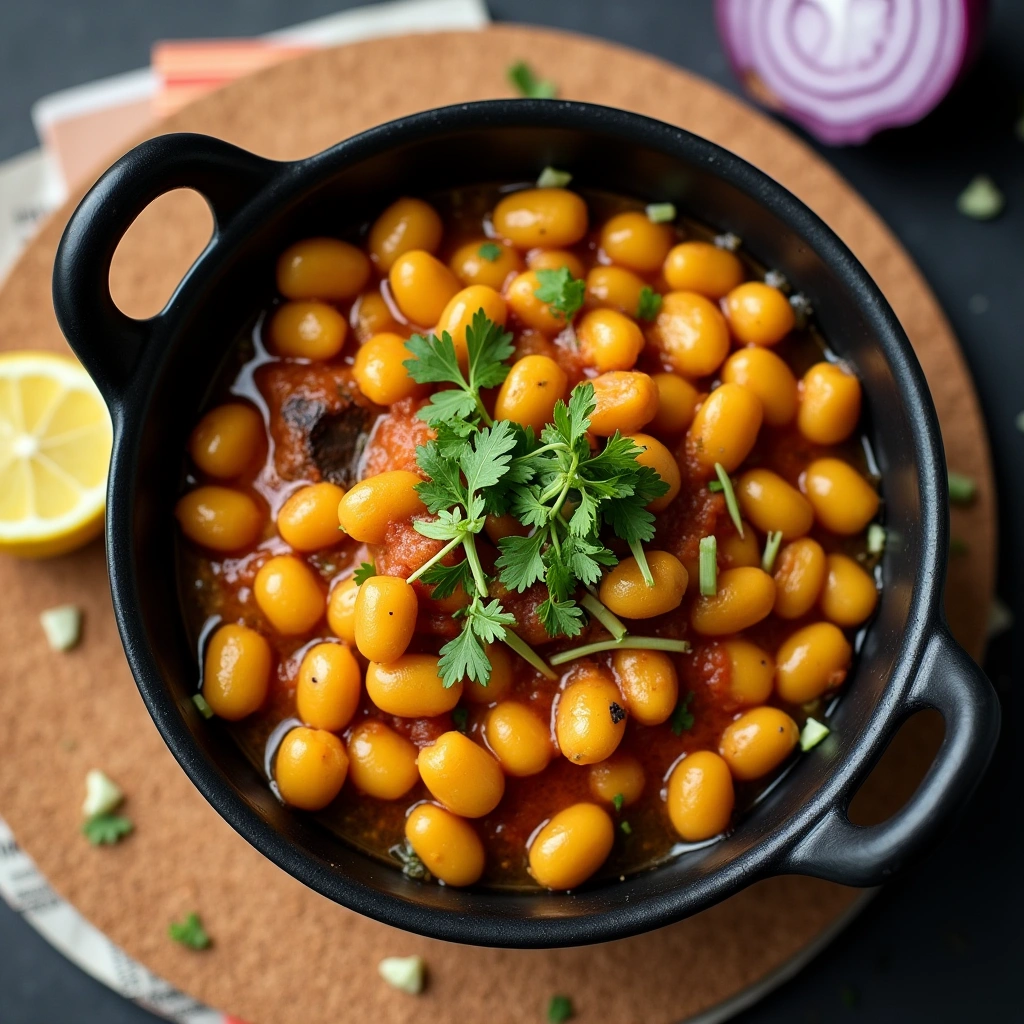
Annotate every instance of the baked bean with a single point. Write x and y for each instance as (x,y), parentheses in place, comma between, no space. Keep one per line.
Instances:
(799,576)
(410,687)
(844,502)
(499,683)
(725,427)
(608,340)
(458,315)
(677,404)
(307,330)
(850,595)
(620,776)
(461,775)
(422,286)
(341,610)
(322,268)
(380,372)
(625,592)
(663,462)
(734,550)
(236,672)
(744,596)
(367,509)
(549,218)
(308,520)
(381,763)
(691,334)
(772,505)
(626,401)
(471,266)
(571,846)
(407,224)
(751,672)
(632,240)
(614,288)
(530,391)
(703,268)
(371,315)
(829,404)
(310,768)
(758,314)
(328,687)
(700,796)
(758,742)
(555,259)
(226,440)
(814,659)
(289,594)
(521,295)
(589,717)
(649,684)
(385,619)
(760,370)
(506,525)
(219,518)
(448,846)
(518,738)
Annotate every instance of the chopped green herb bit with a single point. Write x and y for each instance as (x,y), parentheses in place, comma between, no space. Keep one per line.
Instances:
(189,932)
(626,827)
(730,498)
(406,973)
(107,829)
(771,550)
(364,572)
(560,1010)
(708,566)
(876,539)
(62,626)
(561,292)
(490,251)
(962,489)
(661,213)
(715,486)
(412,866)
(618,801)
(200,702)
(957,546)
(982,199)
(551,177)
(102,794)
(460,716)
(812,734)
(682,718)
(524,80)
(649,305)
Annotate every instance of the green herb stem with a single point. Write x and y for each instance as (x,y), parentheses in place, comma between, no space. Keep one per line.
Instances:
(640,643)
(528,654)
(434,559)
(607,619)
(479,578)
(730,498)
(771,550)
(708,566)
(641,560)
(962,489)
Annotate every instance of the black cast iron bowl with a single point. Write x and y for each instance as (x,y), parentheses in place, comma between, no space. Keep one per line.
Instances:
(155,376)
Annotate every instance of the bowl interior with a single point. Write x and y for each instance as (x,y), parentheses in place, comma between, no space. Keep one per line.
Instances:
(345,188)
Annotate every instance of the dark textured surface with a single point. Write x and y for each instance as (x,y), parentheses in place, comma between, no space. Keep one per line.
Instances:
(938,944)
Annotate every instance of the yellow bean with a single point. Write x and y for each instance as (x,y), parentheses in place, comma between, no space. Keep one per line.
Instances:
(500,681)
(703,268)
(625,592)
(380,372)
(814,659)
(700,796)
(407,224)
(608,340)
(799,576)
(734,550)
(371,315)
(227,440)
(725,427)
(422,286)
(663,462)
(289,594)
(307,330)
(632,240)
(758,314)
(470,266)
(219,518)
(844,502)
(620,776)
(626,401)
(447,845)
(310,768)
(461,775)
(458,315)
(518,738)
(613,288)
(236,672)
(758,742)
(530,391)
(745,596)
(760,370)
(829,404)
(382,764)
(385,619)
(341,610)
(571,846)
(751,672)
(308,520)
(691,334)
(677,404)
(550,218)
(850,594)
(555,259)
(328,687)
(772,505)
(322,268)
(368,508)
(649,684)
(590,718)
(521,295)
(410,687)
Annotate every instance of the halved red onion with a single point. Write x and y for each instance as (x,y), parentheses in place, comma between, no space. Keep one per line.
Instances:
(845,69)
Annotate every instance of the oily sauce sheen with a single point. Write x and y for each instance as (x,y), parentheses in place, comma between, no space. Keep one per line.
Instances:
(297,414)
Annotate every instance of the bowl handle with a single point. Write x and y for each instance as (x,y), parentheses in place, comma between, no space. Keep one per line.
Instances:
(106,340)
(950,682)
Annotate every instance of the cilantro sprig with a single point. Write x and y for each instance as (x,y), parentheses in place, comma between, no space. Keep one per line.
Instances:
(561,292)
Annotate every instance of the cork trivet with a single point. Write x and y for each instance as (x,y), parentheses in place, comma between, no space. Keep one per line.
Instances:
(281,953)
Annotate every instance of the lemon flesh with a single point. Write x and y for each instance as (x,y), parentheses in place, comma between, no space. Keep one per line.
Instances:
(55,438)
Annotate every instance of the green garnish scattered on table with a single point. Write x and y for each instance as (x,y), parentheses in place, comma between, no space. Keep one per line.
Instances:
(522,77)
(106,829)
(189,932)
(982,199)
(560,1009)
(962,488)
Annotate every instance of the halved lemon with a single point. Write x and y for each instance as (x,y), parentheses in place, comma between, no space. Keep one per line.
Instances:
(55,438)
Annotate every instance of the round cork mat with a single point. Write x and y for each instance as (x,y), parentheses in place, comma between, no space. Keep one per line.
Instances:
(281,953)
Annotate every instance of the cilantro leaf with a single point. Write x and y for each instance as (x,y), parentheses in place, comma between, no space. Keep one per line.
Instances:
(682,719)
(364,572)
(520,564)
(488,345)
(465,657)
(560,618)
(446,579)
(649,305)
(560,1010)
(487,461)
(490,251)
(560,291)
(454,404)
(443,487)
(189,932)
(618,801)
(523,79)
(107,829)
(434,360)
